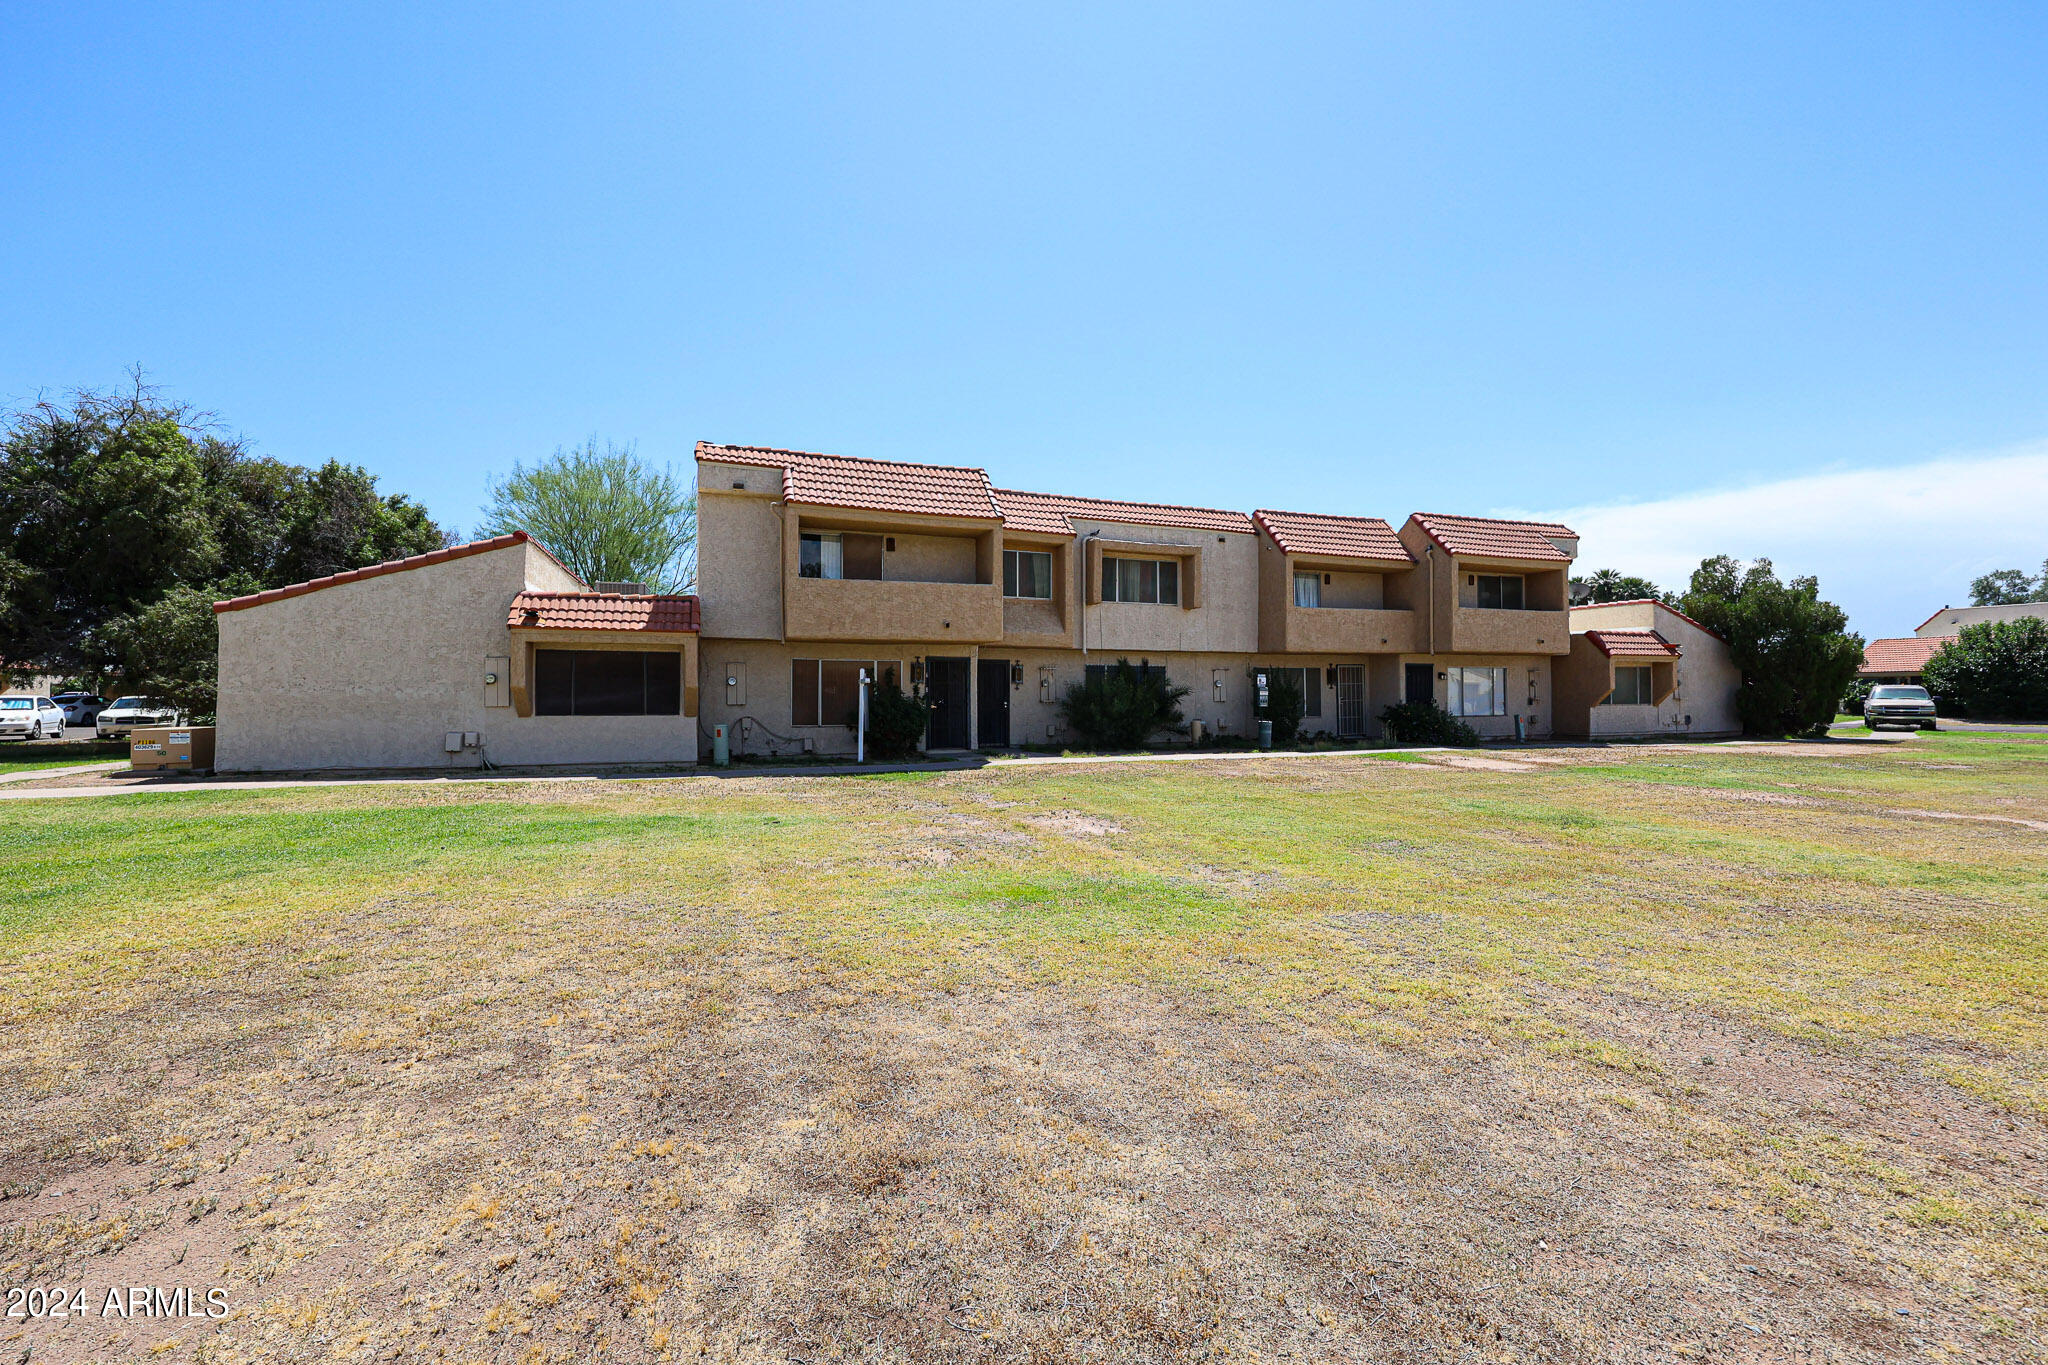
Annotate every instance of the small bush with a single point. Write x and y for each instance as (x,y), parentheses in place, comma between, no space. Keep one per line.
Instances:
(1856,697)
(896,722)
(1424,722)
(1284,706)
(1121,707)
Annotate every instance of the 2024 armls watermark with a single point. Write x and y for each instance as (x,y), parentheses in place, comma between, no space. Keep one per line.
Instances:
(56,1303)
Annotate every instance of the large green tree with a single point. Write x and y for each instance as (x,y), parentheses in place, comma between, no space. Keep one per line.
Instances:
(1997,671)
(1795,650)
(123,516)
(2001,587)
(607,514)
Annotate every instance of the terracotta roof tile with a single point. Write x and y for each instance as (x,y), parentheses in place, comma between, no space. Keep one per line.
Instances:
(1313,533)
(474,547)
(602,611)
(870,485)
(1632,644)
(1053,513)
(1907,655)
(1495,537)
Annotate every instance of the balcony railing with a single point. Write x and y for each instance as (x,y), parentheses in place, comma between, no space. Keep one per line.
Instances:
(1510,630)
(1350,630)
(885,609)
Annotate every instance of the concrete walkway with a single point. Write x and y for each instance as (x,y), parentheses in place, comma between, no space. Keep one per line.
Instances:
(154,785)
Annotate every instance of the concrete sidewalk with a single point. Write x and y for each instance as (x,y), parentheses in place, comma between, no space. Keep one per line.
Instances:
(161,785)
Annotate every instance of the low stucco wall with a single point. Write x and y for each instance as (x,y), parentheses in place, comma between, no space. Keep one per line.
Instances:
(375,673)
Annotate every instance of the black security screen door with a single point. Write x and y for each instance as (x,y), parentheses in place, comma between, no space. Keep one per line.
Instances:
(1419,688)
(951,695)
(589,682)
(992,709)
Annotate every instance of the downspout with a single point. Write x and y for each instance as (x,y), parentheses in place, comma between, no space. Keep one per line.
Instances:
(1082,606)
(1429,551)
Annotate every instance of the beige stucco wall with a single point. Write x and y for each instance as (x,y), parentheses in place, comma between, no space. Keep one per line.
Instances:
(373,674)
(930,559)
(739,552)
(1702,703)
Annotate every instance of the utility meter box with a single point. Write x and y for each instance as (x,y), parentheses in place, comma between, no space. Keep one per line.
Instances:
(171,748)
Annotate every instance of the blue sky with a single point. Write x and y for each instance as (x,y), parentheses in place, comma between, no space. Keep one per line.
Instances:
(1363,259)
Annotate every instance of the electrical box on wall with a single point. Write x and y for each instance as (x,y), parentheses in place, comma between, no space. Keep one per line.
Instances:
(497,680)
(1045,687)
(1217,683)
(735,684)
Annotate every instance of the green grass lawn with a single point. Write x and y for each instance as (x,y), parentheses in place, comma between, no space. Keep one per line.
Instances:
(10,765)
(1330,1057)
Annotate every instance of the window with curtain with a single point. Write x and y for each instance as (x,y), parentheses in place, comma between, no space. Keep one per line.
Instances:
(1027,573)
(1308,590)
(1631,687)
(820,555)
(590,682)
(1141,580)
(1478,691)
(827,691)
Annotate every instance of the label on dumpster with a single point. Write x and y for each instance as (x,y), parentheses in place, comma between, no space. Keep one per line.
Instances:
(148,747)
(180,737)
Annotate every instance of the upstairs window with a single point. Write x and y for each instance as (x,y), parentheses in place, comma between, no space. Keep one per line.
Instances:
(831,554)
(1631,687)
(1027,573)
(1502,590)
(1141,580)
(591,682)
(1308,590)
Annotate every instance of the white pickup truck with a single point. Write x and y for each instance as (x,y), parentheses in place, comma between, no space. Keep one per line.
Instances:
(1899,704)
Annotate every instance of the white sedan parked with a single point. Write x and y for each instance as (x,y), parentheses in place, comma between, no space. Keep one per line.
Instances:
(128,712)
(30,718)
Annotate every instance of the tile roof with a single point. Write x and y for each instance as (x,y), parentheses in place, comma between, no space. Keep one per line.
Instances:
(1312,533)
(1632,644)
(474,547)
(602,611)
(871,485)
(1495,537)
(1907,655)
(1053,513)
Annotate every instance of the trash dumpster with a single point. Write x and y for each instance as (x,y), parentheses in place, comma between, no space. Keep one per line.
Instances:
(171,748)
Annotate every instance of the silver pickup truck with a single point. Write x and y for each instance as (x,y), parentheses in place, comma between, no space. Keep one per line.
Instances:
(1899,704)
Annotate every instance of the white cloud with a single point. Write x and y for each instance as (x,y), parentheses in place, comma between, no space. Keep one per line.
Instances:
(1892,546)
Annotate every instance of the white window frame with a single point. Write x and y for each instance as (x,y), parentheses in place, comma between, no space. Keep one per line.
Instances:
(1496,684)
(1313,582)
(1013,561)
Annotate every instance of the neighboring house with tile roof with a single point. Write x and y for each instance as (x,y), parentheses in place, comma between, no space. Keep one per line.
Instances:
(1901,659)
(1643,669)
(486,653)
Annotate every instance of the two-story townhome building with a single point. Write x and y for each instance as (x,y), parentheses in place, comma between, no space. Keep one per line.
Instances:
(996,601)
(812,568)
